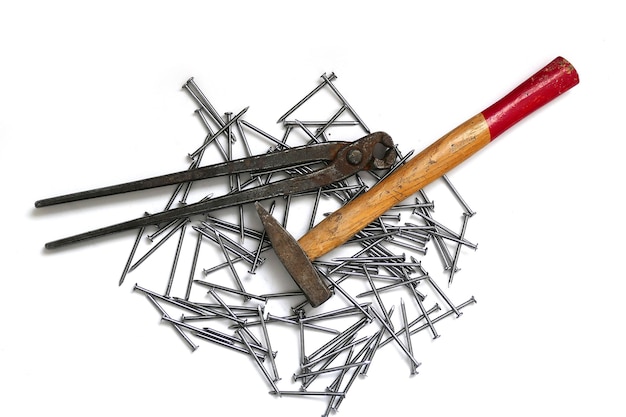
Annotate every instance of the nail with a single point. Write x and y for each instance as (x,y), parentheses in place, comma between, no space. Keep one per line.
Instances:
(232,227)
(258,362)
(369,354)
(224,128)
(468,210)
(335,285)
(301,328)
(187,339)
(418,300)
(176,256)
(345,103)
(336,384)
(185,306)
(199,96)
(312,123)
(205,309)
(262,241)
(286,212)
(322,129)
(457,253)
(308,96)
(264,134)
(434,320)
(194,263)
(211,137)
(390,330)
(132,254)
(392,286)
(220,342)
(443,295)
(341,312)
(326,356)
(339,338)
(375,344)
(180,224)
(224,305)
(406,331)
(307,132)
(231,290)
(197,330)
(359,253)
(268,343)
(232,247)
(377,296)
(315,207)
(308,393)
(162,230)
(307,381)
(327,370)
(234,260)
(284,294)
(194,165)
(215,316)
(271,317)
(230,264)
(236,246)
(414,248)
(412,206)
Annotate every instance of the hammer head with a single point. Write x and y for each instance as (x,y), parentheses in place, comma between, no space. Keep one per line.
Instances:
(294,259)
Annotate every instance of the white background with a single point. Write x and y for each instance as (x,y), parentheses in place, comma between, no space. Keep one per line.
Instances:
(90,95)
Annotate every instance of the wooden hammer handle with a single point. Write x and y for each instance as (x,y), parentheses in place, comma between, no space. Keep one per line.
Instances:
(440,157)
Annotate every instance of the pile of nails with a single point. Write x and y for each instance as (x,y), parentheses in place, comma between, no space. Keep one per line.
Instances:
(229,302)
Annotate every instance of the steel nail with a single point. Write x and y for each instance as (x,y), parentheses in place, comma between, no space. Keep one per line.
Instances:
(457,253)
(210,138)
(132,254)
(406,331)
(308,393)
(180,224)
(332,76)
(176,256)
(377,296)
(258,362)
(230,263)
(223,129)
(194,263)
(202,100)
(184,335)
(262,240)
(347,333)
(468,210)
(442,316)
(391,332)
(327,370)
(247,295)
(375,345)
(268,343)
(345,103)
(394,285)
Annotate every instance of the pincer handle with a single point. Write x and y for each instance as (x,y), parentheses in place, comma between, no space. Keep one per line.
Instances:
(440,157)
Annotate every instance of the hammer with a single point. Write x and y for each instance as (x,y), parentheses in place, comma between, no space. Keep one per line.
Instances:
(440,157)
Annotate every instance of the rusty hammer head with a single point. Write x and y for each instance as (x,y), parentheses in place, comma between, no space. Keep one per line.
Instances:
(294,259)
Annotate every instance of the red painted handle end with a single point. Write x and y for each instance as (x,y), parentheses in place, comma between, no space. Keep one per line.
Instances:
(548,83)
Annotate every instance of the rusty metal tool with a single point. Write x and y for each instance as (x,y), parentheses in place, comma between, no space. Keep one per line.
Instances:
(374,151)
(434,161)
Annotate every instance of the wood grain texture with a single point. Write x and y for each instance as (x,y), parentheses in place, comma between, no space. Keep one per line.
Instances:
(430,164)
